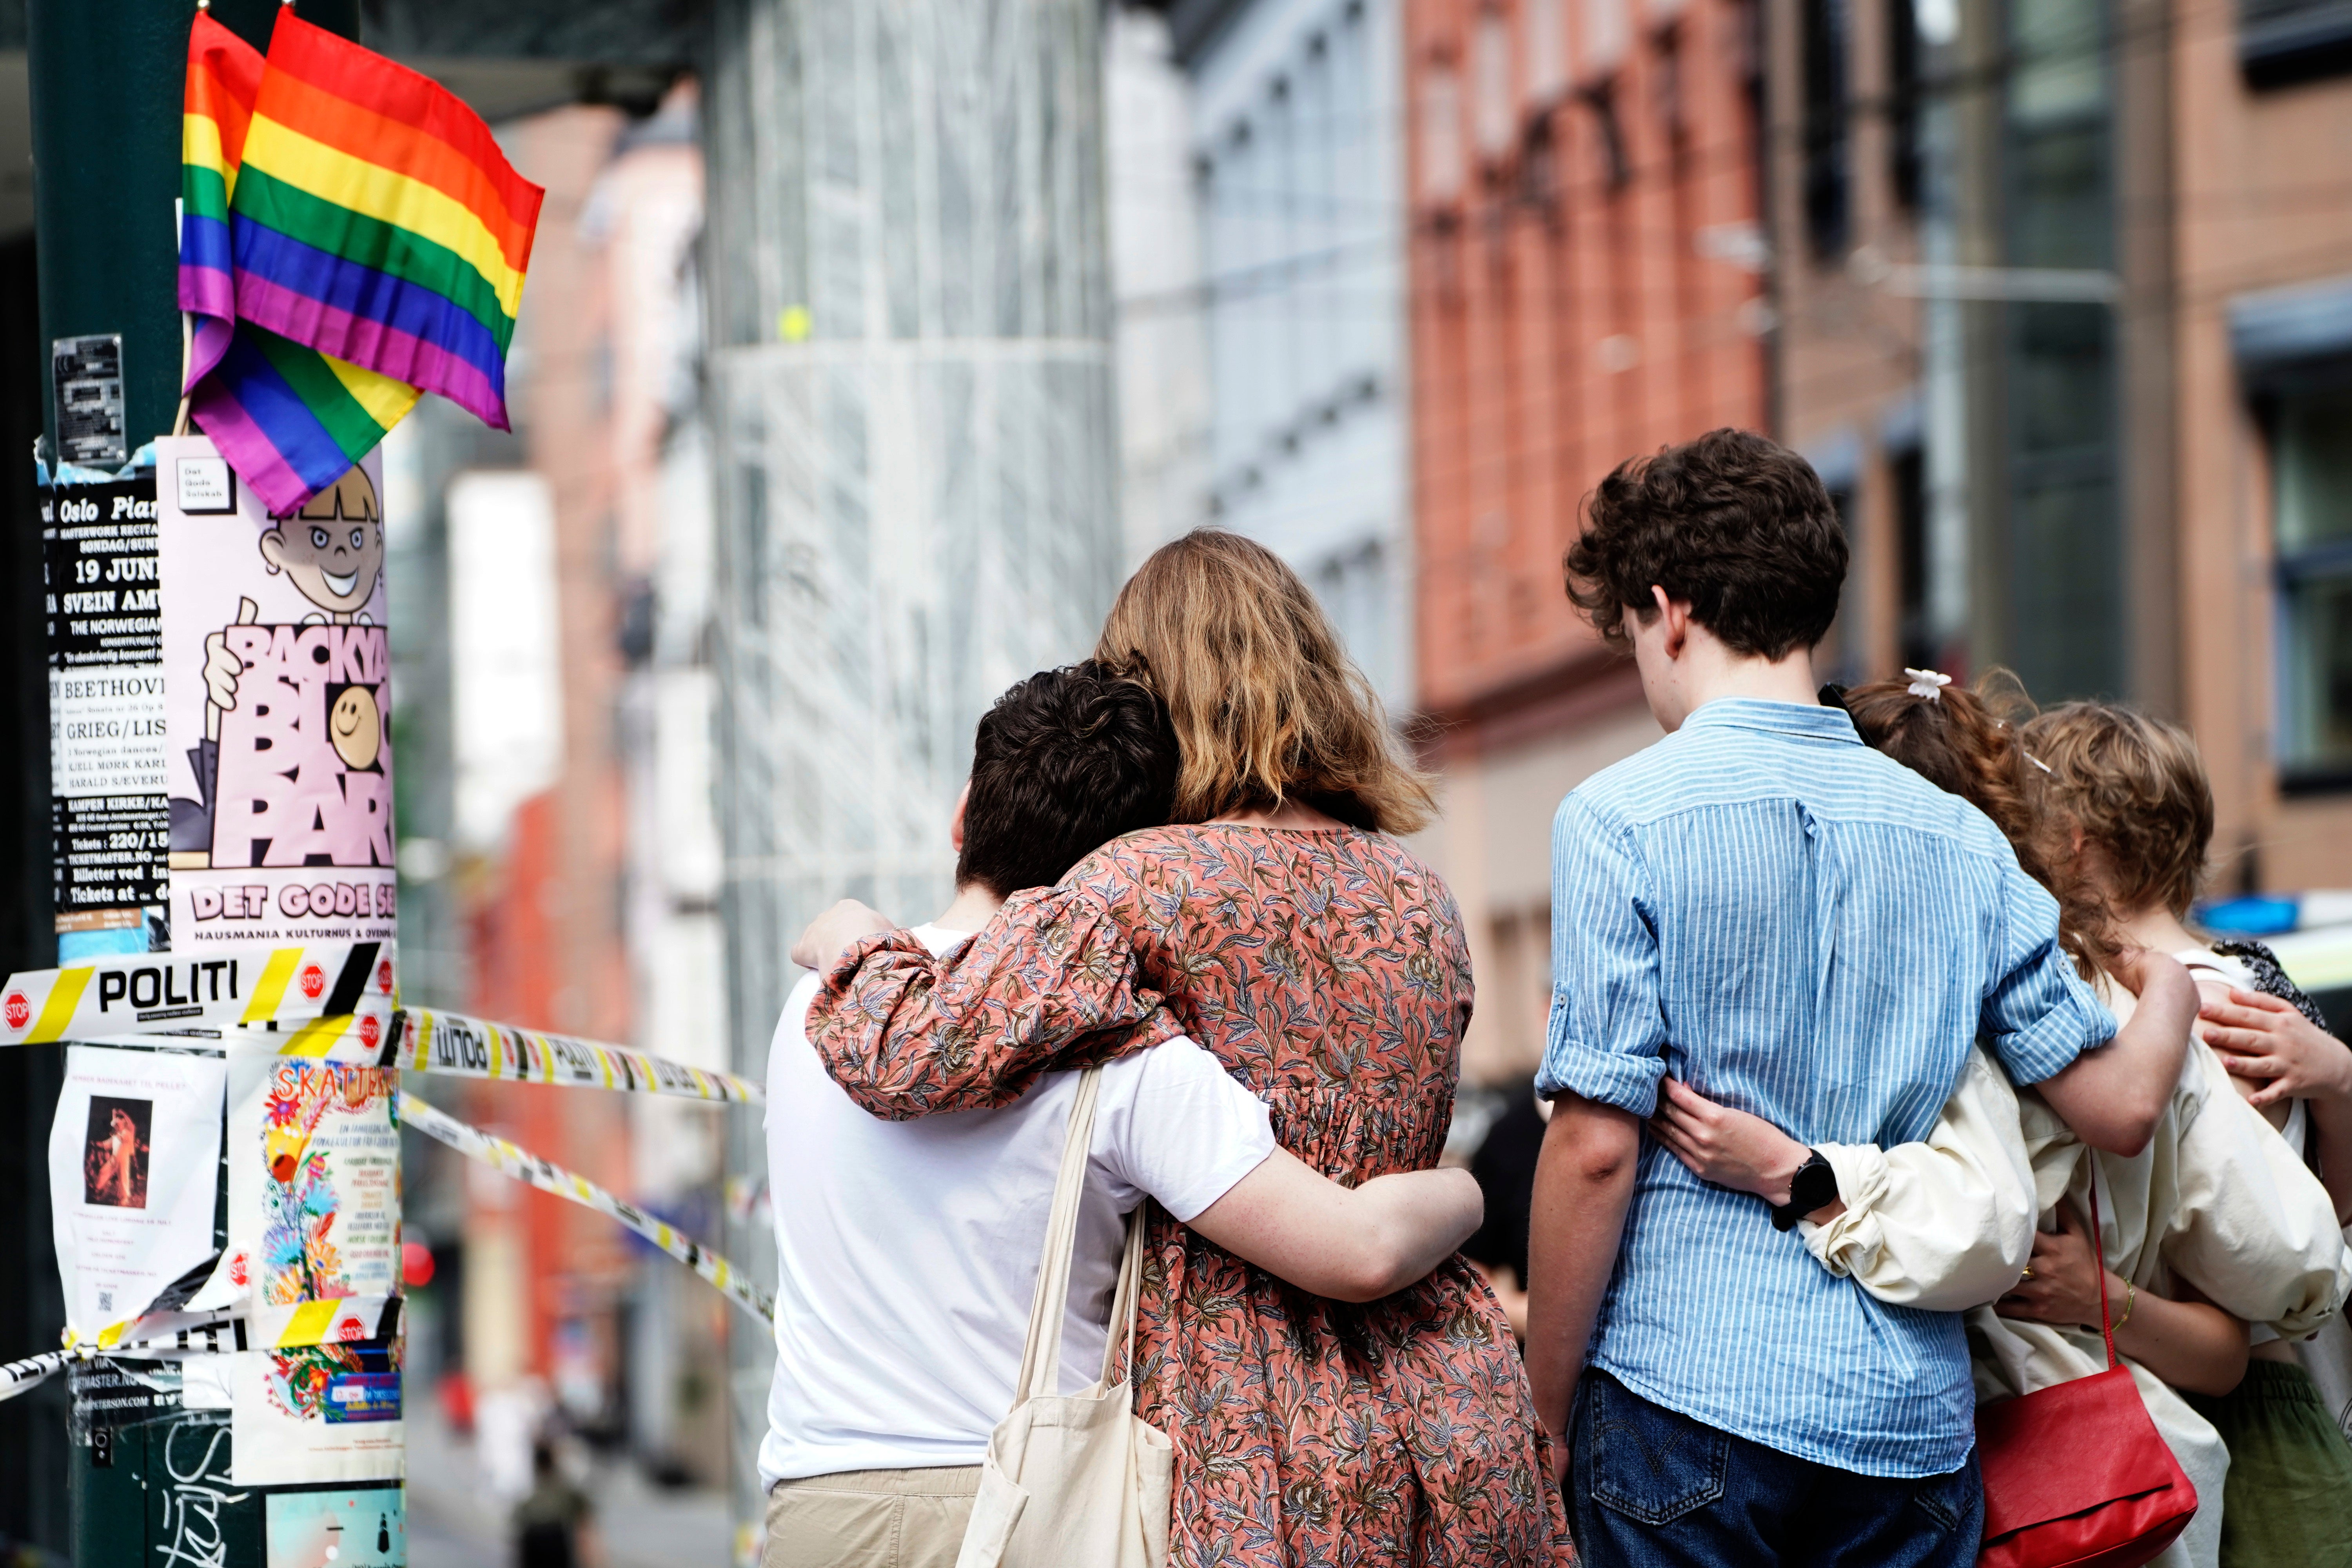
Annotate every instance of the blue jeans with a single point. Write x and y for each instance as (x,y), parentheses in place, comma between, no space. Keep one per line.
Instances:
(1649,1488)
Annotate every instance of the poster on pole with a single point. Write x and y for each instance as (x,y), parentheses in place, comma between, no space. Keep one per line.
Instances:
(278,694)
(314,1216)
(346,1528)
(134,1153)
(109,825)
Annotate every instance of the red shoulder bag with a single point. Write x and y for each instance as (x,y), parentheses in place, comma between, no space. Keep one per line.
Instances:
(2077,1476)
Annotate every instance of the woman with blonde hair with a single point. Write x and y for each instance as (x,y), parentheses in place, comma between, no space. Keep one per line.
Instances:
(1280,924)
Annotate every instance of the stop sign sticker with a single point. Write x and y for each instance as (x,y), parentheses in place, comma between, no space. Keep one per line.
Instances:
(383,975)
(371,1030)
(314,981)
(17,1009)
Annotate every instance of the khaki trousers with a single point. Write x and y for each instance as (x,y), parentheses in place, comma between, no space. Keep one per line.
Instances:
(870,1519)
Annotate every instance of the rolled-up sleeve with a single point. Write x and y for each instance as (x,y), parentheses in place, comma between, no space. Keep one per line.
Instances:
(1606,1037)
(2038,1014)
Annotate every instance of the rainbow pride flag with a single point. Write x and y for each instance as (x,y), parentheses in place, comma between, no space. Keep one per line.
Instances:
(290,420)
(374,219)
(223,79)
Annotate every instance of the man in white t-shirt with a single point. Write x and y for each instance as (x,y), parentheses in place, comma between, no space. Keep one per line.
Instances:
(907,1251)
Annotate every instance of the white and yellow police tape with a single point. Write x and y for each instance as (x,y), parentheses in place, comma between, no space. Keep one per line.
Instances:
(456,1045)
(233,985)
(526,1166)
(171,1335)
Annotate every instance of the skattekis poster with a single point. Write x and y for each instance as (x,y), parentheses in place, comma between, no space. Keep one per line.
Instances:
(133,1153)
(278,705)
(314,1206)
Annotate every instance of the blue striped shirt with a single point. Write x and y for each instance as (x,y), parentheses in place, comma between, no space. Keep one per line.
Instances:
(1800,927)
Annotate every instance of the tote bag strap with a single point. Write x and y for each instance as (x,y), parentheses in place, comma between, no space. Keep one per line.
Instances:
(1041,1356)
(1122,1306)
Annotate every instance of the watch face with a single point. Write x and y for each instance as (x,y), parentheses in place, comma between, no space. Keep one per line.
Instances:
(1815,1185)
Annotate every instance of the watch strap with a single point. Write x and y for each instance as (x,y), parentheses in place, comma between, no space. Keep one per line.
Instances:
(1806,1191)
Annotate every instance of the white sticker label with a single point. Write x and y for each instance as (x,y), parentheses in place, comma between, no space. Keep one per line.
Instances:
(206,485)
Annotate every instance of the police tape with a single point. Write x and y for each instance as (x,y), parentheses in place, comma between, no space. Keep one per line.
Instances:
(352,1319)
(233,985)
(287,1326)
(526,1166)
(456,1045)
(62,1004)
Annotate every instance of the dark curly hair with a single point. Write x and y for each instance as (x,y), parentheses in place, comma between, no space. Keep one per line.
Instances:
(1066,762)
(1738,526)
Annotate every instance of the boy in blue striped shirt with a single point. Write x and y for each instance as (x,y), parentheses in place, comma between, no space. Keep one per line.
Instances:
(1796,925)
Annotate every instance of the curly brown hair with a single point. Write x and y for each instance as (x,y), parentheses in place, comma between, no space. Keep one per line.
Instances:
(1267,705)
(1967,743)
(1738,526)
(2134,787)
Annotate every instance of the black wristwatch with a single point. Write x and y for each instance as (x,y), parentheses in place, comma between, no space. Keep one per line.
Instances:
(1814,1184)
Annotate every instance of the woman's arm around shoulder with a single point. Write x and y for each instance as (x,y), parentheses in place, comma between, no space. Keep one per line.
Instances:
(1051,983)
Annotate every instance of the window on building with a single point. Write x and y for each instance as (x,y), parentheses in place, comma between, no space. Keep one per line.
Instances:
(1494,114)
(2064,612)
(1827,201)
(1914,628)
(1359,593)
(1840,653)
(1902,93)
(1607,32)
(1546,49)
(2311,487)
(1441,133)
(2284,41)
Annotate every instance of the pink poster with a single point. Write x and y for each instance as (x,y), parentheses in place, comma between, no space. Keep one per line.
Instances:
(278,699)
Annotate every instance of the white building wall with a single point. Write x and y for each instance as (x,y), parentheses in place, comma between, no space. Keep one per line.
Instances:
(1155,257)
(1283,270)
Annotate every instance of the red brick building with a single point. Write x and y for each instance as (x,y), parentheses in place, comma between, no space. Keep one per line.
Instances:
(1587,283)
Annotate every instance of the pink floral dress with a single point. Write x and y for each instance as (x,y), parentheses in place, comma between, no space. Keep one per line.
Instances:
(1329,971)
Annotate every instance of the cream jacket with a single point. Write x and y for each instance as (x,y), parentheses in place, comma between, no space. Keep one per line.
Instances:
(2217,1199)
(1948,1223)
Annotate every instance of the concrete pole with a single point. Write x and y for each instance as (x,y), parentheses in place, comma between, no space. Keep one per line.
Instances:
(915,446)
(106,86)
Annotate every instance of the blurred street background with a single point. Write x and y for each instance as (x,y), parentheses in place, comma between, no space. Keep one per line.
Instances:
(870,343)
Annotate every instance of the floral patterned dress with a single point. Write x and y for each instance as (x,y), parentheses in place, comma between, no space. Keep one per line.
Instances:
(1329,971)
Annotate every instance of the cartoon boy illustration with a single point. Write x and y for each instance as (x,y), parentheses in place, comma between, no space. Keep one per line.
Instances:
(331,550)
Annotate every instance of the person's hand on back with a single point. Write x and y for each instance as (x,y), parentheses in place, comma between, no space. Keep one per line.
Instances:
(2264,1039)
(836,930)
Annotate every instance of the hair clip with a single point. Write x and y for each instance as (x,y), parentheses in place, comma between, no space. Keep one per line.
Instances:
(2038,763)
(1928,683)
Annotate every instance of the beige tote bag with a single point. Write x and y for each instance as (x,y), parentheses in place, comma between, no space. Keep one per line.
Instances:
(1076,1481)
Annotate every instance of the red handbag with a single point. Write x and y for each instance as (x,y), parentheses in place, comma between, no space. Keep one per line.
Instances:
(2077,1476)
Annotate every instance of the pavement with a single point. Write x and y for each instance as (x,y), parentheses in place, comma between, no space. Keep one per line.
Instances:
(454,1522)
